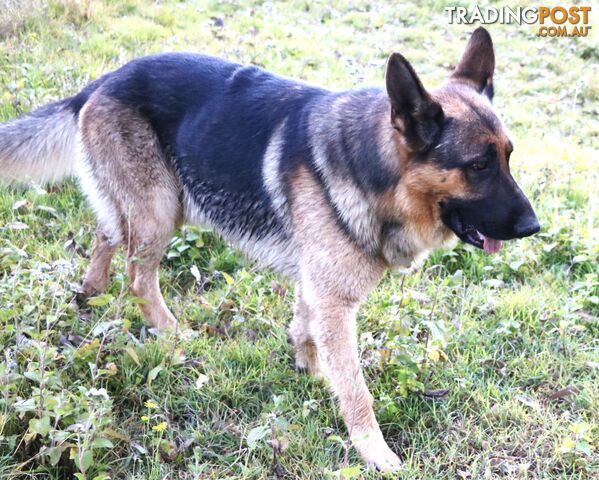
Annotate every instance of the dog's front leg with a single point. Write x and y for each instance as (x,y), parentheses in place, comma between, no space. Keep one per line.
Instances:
(333,329)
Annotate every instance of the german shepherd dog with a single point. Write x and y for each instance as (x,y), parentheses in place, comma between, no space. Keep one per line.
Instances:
(331,189)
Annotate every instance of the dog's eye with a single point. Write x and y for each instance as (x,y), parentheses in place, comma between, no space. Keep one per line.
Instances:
(479,165)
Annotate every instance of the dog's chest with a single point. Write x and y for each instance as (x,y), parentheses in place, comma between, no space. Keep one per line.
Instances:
(401,247)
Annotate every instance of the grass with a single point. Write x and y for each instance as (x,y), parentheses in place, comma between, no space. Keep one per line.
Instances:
(481,367)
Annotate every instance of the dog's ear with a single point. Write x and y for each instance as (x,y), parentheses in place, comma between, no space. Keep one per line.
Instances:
(413,112)
(478,63)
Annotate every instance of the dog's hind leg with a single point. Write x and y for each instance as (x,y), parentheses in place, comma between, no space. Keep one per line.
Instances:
(149,234)
(108,231)
(306,355)
(134,192)
(98,273)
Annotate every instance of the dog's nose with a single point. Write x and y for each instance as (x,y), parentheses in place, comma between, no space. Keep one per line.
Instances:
(526,226)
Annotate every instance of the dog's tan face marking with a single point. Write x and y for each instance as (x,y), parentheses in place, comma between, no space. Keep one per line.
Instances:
(415,202)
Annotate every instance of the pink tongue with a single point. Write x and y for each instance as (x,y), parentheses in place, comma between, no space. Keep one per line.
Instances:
(490,245)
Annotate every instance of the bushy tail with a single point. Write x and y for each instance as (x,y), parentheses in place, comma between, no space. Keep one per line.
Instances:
(40,146)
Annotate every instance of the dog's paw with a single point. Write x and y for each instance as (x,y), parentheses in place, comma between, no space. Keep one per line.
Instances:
(185,332)
(81,295)
(385,460)
(306,361)
(375,452)
(176,331)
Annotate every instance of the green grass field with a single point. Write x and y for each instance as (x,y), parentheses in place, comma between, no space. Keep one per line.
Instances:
(481,366)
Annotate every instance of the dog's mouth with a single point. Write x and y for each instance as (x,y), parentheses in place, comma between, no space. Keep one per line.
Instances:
(470,234)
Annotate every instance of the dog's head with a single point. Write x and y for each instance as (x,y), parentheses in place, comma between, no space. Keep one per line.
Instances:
(458,149)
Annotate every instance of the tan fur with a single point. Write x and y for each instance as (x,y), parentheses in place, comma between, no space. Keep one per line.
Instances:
(335,276)
(417,196)
(454,107)
(130,173)
(414,201)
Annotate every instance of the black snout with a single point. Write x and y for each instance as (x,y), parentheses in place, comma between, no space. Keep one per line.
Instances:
(526,226)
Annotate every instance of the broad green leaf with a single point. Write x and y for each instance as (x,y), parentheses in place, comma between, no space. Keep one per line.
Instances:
(101,442)
(40,426)
(33,376)
(515,265)
(100,300)
(138,300)
(584,447)
(103,327)
(54,454)
(88,458)
(257,434)
(152,374)
(23,406)
(133,354)
(351,472)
